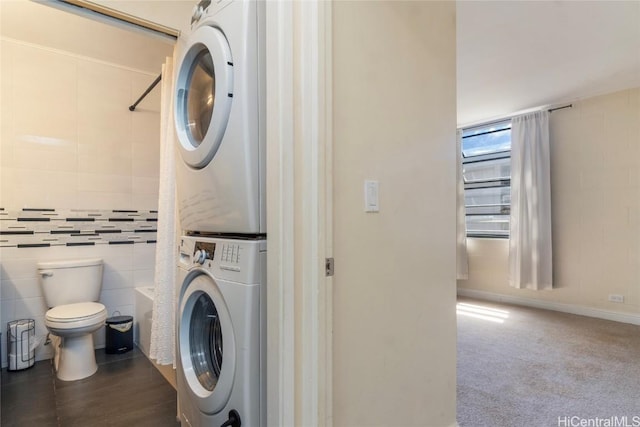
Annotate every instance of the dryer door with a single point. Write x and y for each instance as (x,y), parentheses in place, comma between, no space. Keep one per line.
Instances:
(206,343)
(204,91)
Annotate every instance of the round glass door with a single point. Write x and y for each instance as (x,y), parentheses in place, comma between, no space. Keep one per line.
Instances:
(200,97)
(204,92)
(206,342)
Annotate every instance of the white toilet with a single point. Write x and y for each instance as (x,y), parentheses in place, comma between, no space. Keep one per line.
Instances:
(71,289)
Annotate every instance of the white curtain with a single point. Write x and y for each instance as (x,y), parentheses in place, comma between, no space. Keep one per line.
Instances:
(461,226)
(530,257)
(164,302)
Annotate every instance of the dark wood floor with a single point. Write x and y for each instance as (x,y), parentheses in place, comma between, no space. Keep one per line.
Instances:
(126,391)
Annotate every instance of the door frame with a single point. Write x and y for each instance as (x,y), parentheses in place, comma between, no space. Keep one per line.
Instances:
(299,208)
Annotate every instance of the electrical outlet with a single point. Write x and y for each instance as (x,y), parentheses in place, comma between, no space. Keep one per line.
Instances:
(616,298)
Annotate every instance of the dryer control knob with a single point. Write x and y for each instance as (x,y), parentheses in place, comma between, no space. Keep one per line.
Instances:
(200,256)
(197,13)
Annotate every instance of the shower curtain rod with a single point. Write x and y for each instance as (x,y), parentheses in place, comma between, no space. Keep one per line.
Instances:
(112,16)
(146,92)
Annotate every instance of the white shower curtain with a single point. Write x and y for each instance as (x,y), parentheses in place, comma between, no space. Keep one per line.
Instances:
(530,257)
(461,226)
(164,301)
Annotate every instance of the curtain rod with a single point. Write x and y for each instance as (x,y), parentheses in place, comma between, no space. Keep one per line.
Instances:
(100,12)
(146,92)
(506,118)
(551,110)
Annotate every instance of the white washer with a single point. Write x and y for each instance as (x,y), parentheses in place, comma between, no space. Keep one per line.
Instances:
(220,119)
(221,332)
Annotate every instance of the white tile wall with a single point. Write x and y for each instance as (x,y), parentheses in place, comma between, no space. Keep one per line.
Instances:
(595,185)
(68,141)
(45,104)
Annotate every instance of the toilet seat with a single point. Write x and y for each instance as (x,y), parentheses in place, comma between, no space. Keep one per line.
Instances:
(78,315)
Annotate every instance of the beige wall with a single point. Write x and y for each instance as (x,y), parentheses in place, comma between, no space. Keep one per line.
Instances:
(171,13)
(595,185)
(44,25)
(394,289)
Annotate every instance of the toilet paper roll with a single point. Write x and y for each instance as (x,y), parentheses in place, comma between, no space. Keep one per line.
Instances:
(22,345)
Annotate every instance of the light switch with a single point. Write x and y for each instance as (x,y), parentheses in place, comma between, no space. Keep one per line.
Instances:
(371,196)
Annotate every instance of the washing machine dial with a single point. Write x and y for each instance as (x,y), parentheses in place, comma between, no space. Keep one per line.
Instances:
(200,256)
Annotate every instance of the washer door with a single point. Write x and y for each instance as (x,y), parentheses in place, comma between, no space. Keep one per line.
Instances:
(204,91)
(206,343)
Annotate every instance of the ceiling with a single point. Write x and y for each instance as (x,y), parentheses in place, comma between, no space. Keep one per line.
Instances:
(511,55)
(517,55)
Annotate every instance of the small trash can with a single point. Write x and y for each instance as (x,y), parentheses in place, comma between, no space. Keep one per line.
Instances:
(119,330)
(21,344)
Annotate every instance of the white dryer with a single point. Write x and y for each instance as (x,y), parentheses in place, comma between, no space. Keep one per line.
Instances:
(221,332)
(219,111)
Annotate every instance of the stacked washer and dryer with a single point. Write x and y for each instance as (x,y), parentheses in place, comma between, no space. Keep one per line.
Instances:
(219,117)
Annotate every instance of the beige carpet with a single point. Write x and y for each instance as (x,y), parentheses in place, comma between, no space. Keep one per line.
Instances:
(526,367)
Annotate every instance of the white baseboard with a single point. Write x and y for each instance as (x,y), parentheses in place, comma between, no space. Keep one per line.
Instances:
(616,316)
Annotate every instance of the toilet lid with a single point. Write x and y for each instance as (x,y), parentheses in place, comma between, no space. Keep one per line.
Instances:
(74,312)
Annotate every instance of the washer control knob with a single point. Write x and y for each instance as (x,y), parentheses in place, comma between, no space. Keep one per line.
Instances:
(200,256)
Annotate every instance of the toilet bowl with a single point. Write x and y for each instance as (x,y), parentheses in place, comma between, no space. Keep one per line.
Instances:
(73,324)
(72,288)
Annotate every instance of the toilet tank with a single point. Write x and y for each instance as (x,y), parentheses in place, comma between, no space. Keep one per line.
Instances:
(70,281)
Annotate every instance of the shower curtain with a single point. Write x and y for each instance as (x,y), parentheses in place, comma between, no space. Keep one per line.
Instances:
(164,301)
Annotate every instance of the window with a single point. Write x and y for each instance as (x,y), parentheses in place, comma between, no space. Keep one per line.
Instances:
(486,168)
